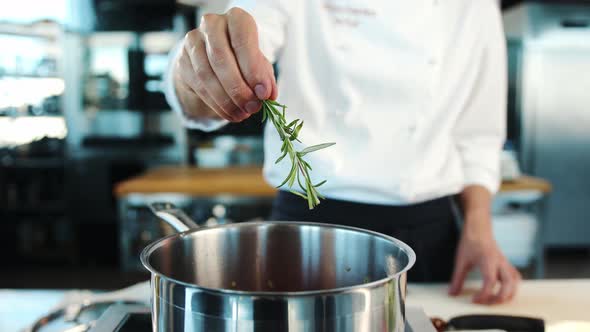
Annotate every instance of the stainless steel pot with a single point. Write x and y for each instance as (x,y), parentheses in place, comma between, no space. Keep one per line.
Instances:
(275,276)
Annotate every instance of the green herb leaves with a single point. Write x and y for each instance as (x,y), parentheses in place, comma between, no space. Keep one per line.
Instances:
(313,148)
(299,168)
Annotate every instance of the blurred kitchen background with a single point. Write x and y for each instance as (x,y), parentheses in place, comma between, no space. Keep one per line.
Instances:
(87,138)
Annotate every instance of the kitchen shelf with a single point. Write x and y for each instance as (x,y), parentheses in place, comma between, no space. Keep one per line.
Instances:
(18,75)
(4,113)
(39,162)
(35,210)
(43,30)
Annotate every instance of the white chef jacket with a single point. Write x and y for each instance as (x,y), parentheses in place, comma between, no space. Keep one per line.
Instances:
(413,92)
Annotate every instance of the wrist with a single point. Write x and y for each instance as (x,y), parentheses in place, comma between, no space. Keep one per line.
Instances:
(478,229)
(476,204)
(478,216)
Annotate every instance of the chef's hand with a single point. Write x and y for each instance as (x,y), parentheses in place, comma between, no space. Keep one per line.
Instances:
(478,249)
(221,72)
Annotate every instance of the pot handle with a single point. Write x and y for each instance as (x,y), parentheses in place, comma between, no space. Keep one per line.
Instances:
(173,216)
(500,322)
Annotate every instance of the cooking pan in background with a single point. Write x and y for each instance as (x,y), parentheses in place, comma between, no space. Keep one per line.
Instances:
(490,322)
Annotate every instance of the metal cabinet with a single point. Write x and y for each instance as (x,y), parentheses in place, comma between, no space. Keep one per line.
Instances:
(556,118)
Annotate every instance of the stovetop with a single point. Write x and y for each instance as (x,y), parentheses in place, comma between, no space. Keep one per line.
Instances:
(137,318)
(124,318)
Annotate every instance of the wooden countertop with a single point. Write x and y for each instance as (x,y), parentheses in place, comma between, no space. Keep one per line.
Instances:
(243,181)
(239,181)
(526,183)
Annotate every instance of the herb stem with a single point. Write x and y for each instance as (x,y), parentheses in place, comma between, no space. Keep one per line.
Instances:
(299,167)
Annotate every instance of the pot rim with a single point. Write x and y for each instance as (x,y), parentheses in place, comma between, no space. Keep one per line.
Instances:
(156,244)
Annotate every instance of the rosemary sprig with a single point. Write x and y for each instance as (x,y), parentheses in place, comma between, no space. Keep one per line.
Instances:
(289,132)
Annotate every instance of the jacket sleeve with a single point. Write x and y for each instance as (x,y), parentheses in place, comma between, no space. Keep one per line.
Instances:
(480,130)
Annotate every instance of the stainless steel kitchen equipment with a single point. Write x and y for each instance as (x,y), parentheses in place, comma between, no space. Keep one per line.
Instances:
(275,276)
(552,103)
(136,318)
(118,121)
(138,227)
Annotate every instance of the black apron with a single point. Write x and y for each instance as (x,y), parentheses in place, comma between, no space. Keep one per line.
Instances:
(430,228)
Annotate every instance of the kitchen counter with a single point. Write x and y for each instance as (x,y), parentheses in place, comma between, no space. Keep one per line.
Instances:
(526,183)
(193,181)
(553,300)
(20,308)
(556,301)
(244,181)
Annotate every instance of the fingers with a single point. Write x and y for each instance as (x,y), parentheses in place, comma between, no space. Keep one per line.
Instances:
(459,275)
(509,279)
(204,81)
(275,90)
(501,272)
(255,68)
(189,81)
(490,278)
(230,75)
(224,64)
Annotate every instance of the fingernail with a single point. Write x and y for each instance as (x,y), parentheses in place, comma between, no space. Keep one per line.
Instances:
(260,91)
(252,106)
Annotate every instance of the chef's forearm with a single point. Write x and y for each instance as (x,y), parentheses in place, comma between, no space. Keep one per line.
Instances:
(476,202)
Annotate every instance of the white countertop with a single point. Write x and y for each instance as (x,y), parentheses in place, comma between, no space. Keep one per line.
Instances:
(20,308)
(556,301)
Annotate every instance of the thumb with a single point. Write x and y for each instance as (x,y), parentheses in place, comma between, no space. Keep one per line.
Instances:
(265,85)
(275,91)
(254,66)
(459,275)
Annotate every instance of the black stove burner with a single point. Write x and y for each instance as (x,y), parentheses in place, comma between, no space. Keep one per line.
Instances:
(124,318)
(137,323)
